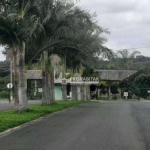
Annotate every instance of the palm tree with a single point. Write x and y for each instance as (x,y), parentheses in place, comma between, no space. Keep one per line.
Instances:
(50,19)
(62,23)
(126,58)
(17,26)
(56,30)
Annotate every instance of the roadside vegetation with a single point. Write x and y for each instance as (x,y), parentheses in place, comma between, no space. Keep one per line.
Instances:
(137,85)
(9,118)
(4,79)
(40,33)
(43,34)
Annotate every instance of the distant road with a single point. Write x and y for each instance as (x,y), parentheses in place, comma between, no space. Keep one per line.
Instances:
(93,126)
(5,105)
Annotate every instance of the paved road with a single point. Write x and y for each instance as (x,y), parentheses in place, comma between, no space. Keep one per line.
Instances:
(92,126)
(5,105)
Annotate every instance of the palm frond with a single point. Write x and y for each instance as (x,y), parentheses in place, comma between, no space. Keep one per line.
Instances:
(47,44)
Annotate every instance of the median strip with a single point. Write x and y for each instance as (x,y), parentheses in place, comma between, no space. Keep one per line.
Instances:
(9,119)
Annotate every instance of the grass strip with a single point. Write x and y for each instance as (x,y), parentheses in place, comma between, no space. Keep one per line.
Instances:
(10,119)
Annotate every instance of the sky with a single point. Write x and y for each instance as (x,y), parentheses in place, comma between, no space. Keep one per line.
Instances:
(2,57)
(128,22)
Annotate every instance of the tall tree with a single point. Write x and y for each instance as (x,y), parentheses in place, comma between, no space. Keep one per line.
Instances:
(18,24)
(62,23)
(142,82)
(126,58)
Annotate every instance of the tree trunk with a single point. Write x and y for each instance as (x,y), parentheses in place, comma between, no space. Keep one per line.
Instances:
(64,68)
(46,89)
(16,98)
(82,92)
(88,95)
(22,94)
(52,86)
(64,91)
(74,91)
(46,97)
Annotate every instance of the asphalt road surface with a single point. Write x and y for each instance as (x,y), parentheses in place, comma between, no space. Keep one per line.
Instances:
(91,126)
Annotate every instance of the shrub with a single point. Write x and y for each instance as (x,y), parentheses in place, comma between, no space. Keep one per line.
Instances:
(4,94)
(148,97)
(114,96)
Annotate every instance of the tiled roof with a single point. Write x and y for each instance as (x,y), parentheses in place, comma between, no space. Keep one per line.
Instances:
(34,74)
(106,75)
(115,75)
(37,74)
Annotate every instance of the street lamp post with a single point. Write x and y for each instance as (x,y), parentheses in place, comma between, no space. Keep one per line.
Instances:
(9,56)
(11,95)
(9,86)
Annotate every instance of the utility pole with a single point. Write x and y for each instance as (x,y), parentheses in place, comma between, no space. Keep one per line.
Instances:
(10,58)
(11,95)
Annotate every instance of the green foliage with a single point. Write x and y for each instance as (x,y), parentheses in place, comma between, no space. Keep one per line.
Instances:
(4,92)
(68,76)
(148,97)
(37,96)
(126,58)
(89,72)
(128,86)
(3,82)
(104,85)
(4,78)
(62,22)
(114,88)
(143,80)
(33,27)
(140,64)
(136,83)
(33,89)
(4,68)
(114,96)
(143,83)
(10,119)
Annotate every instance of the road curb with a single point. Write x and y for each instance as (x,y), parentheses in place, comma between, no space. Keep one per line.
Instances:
(9,131)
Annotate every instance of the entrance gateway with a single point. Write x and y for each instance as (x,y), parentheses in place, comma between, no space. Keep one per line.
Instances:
(116,76)
(105,75)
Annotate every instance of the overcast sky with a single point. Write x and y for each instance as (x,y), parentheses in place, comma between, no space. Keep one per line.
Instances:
(2,57)
(127,20)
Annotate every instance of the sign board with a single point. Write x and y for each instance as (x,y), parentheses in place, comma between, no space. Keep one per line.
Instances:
(125,93)
(9,85)
(34,93)
(40,90)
